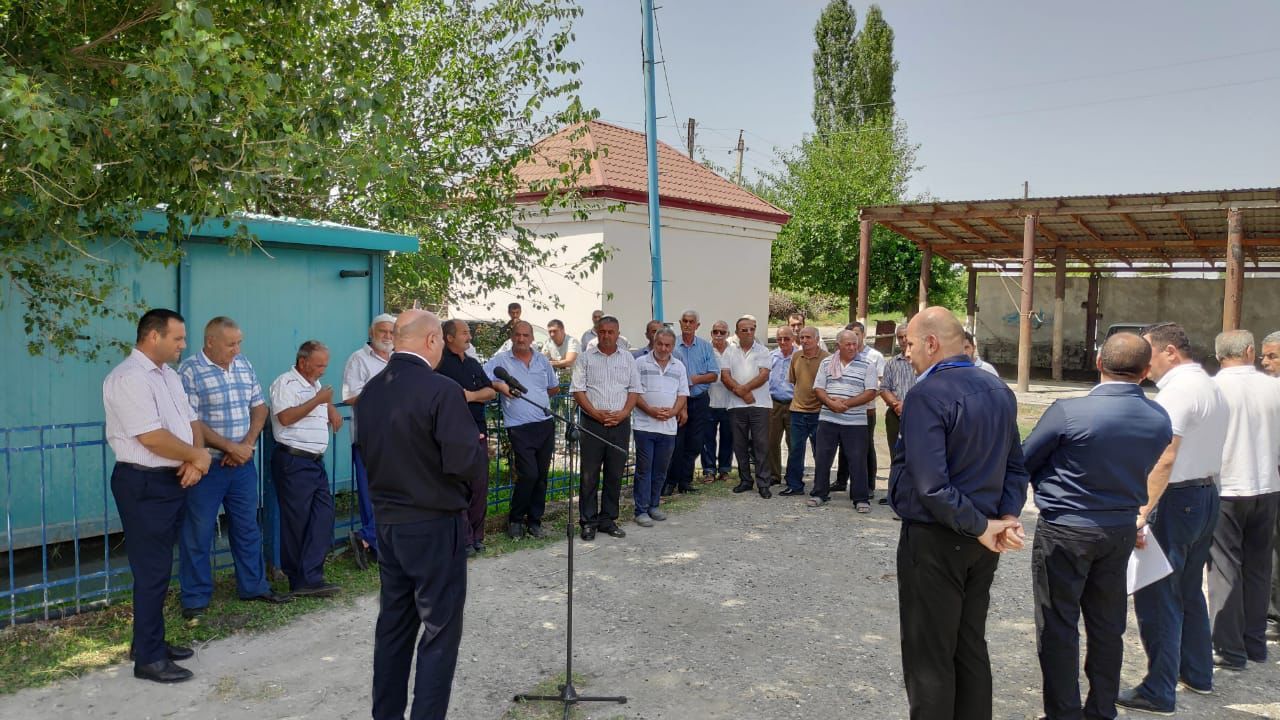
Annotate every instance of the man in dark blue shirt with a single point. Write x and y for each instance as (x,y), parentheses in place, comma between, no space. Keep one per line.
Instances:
(1089,458)
(958,483)
(465,370)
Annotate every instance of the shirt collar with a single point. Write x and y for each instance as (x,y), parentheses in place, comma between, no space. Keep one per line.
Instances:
(138,356)
(1181,369)
(407,352)
(294,370)
(1238,370)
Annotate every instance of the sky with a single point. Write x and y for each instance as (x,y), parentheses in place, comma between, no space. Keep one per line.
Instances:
(1076,98)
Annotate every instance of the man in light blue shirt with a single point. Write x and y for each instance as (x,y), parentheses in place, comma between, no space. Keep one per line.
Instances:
(781,391)
(530,430)
(703,367)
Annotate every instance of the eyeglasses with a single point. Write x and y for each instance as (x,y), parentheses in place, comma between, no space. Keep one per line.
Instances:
(719,332)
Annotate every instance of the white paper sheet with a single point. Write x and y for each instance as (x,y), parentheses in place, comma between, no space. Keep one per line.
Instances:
(1147,565)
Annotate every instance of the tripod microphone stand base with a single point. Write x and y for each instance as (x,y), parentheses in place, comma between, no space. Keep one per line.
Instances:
(569,697)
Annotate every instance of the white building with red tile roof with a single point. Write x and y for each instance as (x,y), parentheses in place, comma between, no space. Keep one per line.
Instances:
(716,237)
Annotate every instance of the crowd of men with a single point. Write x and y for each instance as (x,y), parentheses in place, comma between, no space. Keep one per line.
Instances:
(1195,470)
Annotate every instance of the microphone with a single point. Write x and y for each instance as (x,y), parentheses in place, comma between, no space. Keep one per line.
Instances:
(514,384)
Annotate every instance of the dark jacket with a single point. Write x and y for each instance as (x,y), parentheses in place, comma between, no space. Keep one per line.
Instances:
(958,461)
(418,441)
(1089,456)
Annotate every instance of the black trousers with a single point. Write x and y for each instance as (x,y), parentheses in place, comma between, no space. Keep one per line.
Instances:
(532,444)
(689,441)
(602,512)
(151,504)
(850,443)
(944,589)
(891,424)
(1077,569)
(751,444)
(842,468)
(306,517)
(423,567)
(1240,576)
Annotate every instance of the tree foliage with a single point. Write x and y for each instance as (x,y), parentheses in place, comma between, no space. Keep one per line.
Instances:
(859,155)
(407,116)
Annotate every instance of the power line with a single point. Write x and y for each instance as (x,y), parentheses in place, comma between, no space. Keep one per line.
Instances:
(657,27)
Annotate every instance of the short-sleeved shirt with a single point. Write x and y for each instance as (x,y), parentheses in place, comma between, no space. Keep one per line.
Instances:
(221,398)
(720,394)
(1253,433)
(856,377)
(899,376)
(744,367)
(561,351)
(606,379)
(362,365)
(801,374)
(470,374)
(875,358)
(140,396)
(781,389)
(309,434)
(660,386)
(1199,416)
(699,358)
(538,377)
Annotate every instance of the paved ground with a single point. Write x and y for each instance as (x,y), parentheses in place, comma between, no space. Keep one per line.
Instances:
(743,608)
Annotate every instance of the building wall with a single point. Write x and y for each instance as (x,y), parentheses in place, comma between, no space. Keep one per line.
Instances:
(715,264)
(1193,302)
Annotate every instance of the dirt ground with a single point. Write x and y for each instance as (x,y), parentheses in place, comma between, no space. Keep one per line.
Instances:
(742,608)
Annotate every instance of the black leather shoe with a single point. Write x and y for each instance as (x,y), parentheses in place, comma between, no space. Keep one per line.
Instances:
(688,490)
(839,487)
(1221,662)
(765,493)
(358,552)
(193,613)
(667,490)
(174,652)
(616,531)
(883,501)
(1134,700)
(162,671)
(324,590)
(272,597)
(515,531)
(470,550)
(535,531)
(479,546)
(588,534)
(791,491)
(742,487)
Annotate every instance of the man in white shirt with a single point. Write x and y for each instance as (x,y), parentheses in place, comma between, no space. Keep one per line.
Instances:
(717,446)
(1240,557)
(302,416)
(971,350)
(744,370)
(1271,366)
(562,349)
(363,364)
(1181,510)
(159,449)
(663,396)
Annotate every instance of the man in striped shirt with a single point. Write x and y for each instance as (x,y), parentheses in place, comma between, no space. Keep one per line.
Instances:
(899,376)
(845,384)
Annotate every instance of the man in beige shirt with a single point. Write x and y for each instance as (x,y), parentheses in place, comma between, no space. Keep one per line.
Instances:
(804,407)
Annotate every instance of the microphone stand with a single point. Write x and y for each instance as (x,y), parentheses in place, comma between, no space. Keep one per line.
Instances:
(569,696)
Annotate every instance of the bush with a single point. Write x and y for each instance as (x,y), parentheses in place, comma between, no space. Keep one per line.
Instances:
(782,303)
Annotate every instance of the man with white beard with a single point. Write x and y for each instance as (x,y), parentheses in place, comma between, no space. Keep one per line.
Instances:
(363,364)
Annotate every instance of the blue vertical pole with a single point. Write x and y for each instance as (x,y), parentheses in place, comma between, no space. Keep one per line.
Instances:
(651,143)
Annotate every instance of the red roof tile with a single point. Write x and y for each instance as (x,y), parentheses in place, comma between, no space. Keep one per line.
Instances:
(621,173)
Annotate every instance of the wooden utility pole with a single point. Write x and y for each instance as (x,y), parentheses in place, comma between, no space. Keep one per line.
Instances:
(692,124)
(742,148)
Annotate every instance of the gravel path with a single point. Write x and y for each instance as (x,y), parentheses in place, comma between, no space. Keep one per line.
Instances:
(742,608)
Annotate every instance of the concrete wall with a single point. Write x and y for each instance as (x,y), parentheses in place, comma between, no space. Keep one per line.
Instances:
(1195,303)
(715,264)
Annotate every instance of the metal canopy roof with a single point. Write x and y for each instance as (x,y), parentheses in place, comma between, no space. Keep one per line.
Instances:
(1182,230)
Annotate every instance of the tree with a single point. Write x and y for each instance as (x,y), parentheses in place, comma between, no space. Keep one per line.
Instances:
(835,63)
(407,116)
(875,68)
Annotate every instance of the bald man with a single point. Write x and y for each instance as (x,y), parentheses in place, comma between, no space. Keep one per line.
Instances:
(421,451)
(958,483)
(1088,459)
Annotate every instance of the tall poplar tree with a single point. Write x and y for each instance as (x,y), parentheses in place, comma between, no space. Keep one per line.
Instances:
(834,65)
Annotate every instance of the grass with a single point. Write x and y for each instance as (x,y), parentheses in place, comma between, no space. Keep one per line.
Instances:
(40,653)
(1028,416)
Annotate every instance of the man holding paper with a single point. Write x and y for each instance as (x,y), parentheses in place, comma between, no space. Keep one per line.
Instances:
(1088,459)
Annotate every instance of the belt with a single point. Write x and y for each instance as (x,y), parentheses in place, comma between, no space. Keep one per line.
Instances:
(1197,482)
(782,400)
(148,468)
(300,453)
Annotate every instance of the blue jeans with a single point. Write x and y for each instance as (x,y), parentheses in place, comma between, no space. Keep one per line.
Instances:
(718,458)
(1173,619)
(653,455)
(804,427)
(236,489)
